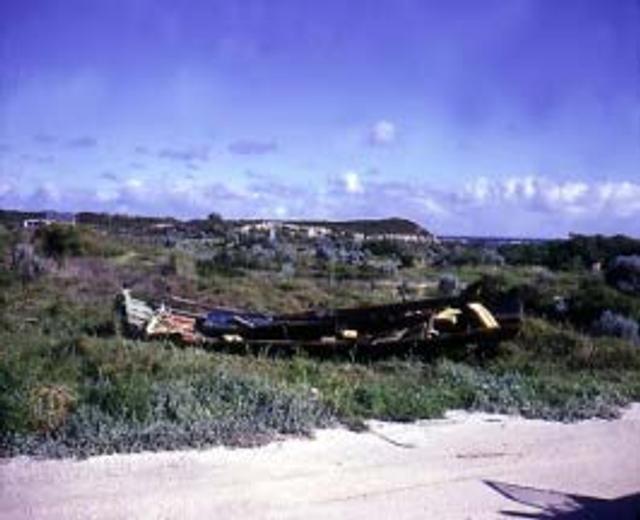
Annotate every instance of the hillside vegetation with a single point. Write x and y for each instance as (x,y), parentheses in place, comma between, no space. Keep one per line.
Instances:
(71,385)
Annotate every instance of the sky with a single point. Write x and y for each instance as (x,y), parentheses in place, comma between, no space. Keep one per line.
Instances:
(510,117)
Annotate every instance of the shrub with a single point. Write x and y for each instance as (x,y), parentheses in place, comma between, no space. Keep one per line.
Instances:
(550,342)
(624,274)
(26,263)
(180,264)
(577,253)
(6,239)
(593,297)
(546,343)
(407,254)
(222,265)
(49,406)
(60,241)
(131,413)
(492,289)
(490,256)
(469,255)
(448,285)
(616,325)
(551,398)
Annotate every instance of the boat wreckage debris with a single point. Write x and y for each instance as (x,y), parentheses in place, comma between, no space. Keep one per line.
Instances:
(372,331)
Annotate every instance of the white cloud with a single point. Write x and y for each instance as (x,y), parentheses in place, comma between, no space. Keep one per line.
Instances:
(352,182)
(106,195)
(281,211)
(622,197)
(5,188)
(541,194)
(432,206)
(134,184)
(478,191)
(48,193)
(519,205)
(382,133)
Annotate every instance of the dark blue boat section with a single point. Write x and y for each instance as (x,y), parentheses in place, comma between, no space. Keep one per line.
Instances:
(222,321)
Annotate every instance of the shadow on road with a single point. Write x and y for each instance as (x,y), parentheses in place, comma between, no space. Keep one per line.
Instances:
(558,505)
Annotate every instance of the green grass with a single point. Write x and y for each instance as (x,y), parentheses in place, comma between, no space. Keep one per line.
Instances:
(269,292)
(99,395)
(69,386)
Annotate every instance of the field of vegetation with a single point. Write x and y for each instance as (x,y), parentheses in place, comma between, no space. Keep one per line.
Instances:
(71,385)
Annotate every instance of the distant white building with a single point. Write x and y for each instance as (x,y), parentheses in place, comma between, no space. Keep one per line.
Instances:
(318,231)
(262,226)
(271,227)
(401,237)
(48,218)
(315,231)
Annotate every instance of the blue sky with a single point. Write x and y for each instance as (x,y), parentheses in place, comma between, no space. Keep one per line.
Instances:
(517,117)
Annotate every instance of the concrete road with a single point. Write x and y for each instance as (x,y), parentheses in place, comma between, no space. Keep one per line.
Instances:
(463,466)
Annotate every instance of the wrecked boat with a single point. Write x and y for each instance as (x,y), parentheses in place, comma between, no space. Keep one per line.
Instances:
(371,331)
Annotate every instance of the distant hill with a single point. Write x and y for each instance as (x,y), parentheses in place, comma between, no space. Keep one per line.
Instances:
(385,226)
(11,217)
(368,227)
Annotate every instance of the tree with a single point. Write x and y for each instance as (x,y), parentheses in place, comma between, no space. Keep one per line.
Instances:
(60,241)
(215,224)
(26,263)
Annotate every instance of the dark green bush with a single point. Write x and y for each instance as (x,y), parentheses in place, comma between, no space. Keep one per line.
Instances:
(623,273)
(615,325)
(560,348)
(60,241)
(448,285)
(406,253)
(579,252)
(221,265)
(593,297)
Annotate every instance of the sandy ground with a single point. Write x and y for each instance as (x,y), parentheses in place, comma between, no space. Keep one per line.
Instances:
(463,466)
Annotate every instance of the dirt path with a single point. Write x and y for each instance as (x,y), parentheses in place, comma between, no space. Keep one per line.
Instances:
(463,466)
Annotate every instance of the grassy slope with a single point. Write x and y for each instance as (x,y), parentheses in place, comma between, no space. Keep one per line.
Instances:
(69,385)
